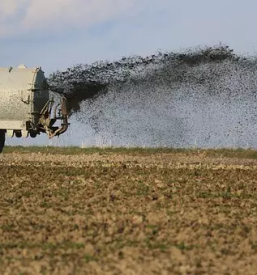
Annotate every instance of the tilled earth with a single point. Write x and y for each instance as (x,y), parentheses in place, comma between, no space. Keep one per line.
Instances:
(117,213)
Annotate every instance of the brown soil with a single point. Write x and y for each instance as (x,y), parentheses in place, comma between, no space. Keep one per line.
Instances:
(117,213)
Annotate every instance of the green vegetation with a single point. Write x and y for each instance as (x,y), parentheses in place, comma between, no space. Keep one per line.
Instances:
(216,153)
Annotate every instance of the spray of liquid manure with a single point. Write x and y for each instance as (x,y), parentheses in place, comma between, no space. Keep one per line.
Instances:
(204,97)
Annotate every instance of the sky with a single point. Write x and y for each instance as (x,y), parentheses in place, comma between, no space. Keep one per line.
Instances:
(56,34)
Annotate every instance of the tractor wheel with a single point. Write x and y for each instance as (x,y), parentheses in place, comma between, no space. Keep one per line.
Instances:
(2,140)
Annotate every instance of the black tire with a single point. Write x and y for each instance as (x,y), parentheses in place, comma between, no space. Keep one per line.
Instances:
(2,140)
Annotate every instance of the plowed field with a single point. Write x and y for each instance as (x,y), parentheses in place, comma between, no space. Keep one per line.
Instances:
(128,212)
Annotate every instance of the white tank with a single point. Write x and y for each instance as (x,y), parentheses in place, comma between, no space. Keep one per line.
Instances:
(23,94)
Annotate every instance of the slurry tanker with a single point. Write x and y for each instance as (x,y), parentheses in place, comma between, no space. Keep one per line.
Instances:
(25,105)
